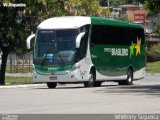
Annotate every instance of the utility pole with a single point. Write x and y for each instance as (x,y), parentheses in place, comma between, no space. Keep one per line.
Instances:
(108,4)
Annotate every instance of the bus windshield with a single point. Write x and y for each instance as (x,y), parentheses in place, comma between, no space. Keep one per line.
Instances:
(55,46)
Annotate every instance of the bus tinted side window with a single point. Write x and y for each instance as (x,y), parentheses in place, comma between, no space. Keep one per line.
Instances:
(140,34)
(109,35)
(112,35)
(135,34)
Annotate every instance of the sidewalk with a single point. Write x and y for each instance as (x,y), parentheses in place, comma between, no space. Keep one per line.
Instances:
(19,74)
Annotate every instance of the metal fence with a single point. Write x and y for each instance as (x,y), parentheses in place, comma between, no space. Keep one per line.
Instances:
(19,63)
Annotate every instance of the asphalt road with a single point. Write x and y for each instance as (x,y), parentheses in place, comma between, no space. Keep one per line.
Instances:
(143,97)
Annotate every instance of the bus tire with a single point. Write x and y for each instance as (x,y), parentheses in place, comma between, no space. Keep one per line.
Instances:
(90,82)
(129,80)
(97,83)
(51,85)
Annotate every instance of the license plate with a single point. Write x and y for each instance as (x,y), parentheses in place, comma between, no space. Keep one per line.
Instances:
(53,78)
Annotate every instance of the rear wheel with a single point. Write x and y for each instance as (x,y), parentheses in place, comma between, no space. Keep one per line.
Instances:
(129,80)
(90,82)
(51,85)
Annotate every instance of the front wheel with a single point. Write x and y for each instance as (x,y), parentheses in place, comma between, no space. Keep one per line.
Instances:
(97,84)
(90,82)
(129,80)
(51,85)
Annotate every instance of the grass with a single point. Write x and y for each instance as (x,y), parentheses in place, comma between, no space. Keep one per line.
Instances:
(153,67)
(18,80)
(20,69)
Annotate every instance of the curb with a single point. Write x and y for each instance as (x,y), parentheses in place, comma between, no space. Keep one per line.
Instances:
(23,86)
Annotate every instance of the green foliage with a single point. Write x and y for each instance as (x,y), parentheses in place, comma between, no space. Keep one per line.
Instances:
(153,6)
(12,28)
(156,29)
(153,54)
(115,2)
(85,8)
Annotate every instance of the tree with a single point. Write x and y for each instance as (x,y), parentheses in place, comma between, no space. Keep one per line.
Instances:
(85,8)
(153,6)
(11,28)
(16,23)
(115,2)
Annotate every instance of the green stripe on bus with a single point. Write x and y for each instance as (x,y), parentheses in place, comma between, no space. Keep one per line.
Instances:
(53,68)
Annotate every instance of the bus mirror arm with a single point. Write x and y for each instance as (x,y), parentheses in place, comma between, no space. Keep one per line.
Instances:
(29,41)
(78,39)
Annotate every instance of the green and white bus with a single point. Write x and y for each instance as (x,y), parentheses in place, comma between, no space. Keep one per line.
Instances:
(88,50)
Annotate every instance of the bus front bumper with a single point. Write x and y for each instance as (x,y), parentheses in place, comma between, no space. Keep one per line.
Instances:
(70,77)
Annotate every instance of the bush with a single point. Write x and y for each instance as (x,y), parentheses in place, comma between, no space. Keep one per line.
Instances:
(156,28)
(153,53)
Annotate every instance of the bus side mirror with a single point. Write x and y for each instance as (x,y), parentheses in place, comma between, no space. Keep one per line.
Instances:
(78,39)
(29,41)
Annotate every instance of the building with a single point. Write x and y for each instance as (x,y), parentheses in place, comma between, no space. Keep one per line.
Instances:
(135,14)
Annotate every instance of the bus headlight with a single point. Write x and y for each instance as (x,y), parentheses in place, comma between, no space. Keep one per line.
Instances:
(75,67)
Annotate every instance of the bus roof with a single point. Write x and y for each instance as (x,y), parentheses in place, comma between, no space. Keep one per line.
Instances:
(69,22)
(64,22)
(112,22)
